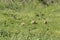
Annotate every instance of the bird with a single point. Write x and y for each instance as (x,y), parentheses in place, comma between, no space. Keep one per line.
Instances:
(45,22)
(33,22)
(23,23)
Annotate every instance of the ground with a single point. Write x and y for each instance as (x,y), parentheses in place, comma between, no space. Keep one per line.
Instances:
(15,21)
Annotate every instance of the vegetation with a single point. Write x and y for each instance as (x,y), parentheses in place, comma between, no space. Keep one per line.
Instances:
(29,19)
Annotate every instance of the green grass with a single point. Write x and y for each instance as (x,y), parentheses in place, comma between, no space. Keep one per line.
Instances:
(12,14)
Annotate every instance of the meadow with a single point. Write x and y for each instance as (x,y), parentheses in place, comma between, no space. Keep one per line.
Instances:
(25,20)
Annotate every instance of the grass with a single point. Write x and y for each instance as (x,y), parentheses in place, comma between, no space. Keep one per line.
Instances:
(12,14)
